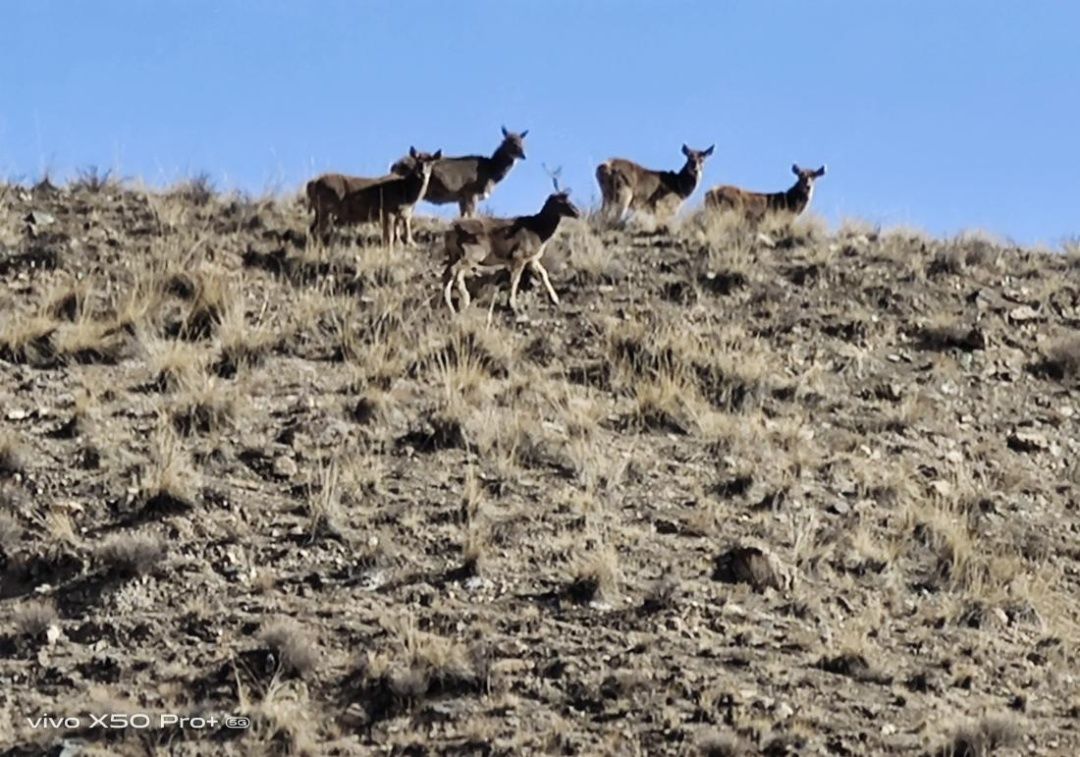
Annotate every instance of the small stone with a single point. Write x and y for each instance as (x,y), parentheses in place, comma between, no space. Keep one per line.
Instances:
(783,711)
(38,218)
(284,467)
(1023,314)
(1027,441)
(888,729)
(941,488)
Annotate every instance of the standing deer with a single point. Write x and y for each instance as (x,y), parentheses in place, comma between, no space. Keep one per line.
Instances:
(338,199)
(625,185)
(512,243)
(754,205)
(470,178)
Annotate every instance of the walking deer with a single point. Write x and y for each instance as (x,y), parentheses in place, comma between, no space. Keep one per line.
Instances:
(625,185)
(754,205)
(338,199)
(466,180)
(511,243)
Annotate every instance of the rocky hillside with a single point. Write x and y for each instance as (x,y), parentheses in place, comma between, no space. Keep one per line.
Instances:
(747,491)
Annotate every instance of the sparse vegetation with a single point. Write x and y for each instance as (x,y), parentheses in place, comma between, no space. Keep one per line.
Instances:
(131,555)
(293,647)
(766,487)
(32,619)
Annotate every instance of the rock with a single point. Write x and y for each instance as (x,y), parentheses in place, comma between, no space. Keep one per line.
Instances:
(1023,314)
(1027,441)
(284,467)
(941,488)
(753,566)
(38,218)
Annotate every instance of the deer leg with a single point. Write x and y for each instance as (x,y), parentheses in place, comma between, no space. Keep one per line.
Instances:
(515,279)
(624,199)
(463,291)
(467,207)
(318,225)
(539,268)
(388,222)
(451,277)
(408,230)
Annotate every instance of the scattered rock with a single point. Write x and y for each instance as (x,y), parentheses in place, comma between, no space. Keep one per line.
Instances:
(1027,441)
(753,566)
(284,467)
(1024,314)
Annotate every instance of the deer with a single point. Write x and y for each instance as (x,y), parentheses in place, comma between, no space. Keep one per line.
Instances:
(512,243)
(754,205)
(340,199)
(469,178)
(626,185)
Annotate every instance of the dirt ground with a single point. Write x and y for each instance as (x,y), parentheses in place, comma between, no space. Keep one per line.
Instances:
(746,491)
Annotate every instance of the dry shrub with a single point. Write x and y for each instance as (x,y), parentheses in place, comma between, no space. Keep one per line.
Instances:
(983,738)
(296,650)
(595,576)
(12,455)
(131,555)
(1061,359)
(32,619)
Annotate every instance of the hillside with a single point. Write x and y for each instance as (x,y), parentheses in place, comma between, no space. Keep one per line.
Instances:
(781,491)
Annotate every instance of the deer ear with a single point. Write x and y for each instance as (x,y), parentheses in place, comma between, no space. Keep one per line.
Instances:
(686,151)
(437,155)
(708,152)
(795,168)
(524,134)
(412,152)
(820,171)
(505,133)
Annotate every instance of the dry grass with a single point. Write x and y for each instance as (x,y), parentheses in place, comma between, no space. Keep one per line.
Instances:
(131,555)
(32,619)
(12,455)
(752,484)
(296,651)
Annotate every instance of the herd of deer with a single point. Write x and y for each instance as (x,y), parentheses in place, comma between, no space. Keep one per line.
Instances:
(475,243)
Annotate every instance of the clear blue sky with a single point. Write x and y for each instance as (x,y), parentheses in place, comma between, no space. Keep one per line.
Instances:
(946,115)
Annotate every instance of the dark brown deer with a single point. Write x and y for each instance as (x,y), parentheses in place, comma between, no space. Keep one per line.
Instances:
(754,205)
(470,178)
(511,243)
(340,200)
(626,186)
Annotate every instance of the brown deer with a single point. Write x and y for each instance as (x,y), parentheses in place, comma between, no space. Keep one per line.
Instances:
(338,199)
(754,205)
(625,185)
(470,178)
(512,243)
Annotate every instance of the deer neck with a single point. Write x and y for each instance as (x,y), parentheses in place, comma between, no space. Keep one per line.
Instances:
(686,180)
(798,197)
(416,184)
(544,224)
(501,162)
